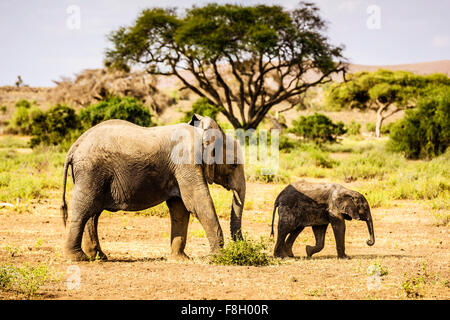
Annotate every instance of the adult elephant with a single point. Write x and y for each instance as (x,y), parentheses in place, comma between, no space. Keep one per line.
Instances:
(117,165)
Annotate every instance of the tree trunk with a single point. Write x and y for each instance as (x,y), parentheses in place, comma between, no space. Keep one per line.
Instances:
(380,120)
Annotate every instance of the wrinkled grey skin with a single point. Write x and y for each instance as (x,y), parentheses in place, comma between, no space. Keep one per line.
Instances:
(302,204)
(117,165)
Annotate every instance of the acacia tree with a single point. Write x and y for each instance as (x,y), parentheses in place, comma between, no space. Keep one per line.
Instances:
(384,91)
(243,59)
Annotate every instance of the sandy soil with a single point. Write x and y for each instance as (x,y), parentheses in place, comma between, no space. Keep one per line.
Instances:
(139,268)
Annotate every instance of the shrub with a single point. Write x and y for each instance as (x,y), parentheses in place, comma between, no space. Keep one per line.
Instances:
(53,127)
(203,108)
(386,129)
(317,128)
(23,103)
(424,132)
(21,121)
(115,107)
(354,128)
(287,144)
(24,279)
(371,126)
(243,253)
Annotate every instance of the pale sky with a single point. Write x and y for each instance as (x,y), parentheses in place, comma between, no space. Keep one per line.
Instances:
(40,43)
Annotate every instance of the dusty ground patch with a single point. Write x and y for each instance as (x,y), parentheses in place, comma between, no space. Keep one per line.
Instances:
(414,253)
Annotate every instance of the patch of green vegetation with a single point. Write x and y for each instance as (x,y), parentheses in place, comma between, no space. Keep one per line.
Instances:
(203,108)
(30,176)
(376,268)
(243,253)
(415,286)
(161,210)
(317,128)
(11,142)
(23,279)
(353,128)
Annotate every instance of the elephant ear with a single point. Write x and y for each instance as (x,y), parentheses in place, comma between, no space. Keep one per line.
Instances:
(342,205)
(211,131)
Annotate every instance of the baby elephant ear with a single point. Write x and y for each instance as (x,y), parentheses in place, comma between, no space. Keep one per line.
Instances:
(343,206)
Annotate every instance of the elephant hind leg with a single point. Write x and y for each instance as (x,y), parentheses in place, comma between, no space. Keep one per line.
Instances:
(91,243)
(84,207)
(319,234)
(179,220)
(291,239)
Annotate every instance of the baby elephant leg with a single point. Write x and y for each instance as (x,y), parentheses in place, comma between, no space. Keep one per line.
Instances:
(285,226)
(290,241)
(280,245)
(319,234)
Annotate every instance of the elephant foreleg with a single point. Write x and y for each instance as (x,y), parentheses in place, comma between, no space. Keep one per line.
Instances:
(198,201)
(290,241)
(179,220)
(339,234)
(91,243)
(319,234)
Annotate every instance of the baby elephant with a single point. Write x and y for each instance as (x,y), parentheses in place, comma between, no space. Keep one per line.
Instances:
(303,204)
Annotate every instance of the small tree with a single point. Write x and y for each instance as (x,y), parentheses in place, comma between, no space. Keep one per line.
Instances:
(317,128)
(424,132)
(202,107)
(242,59)
(52,127)
(115,107)
(386,92)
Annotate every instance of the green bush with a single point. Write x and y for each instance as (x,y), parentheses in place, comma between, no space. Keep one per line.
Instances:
(53,127)
(203,108)
(371,126)
(287,144)
(21,121)
(317,128)
(23,103)
(386,128)
(24,279)
(243,253)
(354,128)
(424,132)
(115,107)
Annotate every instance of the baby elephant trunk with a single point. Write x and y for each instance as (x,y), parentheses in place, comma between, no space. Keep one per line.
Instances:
(371,241)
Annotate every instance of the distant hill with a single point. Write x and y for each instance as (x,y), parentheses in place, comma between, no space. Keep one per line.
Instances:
(421,68)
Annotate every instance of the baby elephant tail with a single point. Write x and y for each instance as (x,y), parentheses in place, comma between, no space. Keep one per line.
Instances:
(275,206)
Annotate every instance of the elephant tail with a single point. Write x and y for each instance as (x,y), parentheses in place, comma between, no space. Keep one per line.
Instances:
(64,204)
(275,206)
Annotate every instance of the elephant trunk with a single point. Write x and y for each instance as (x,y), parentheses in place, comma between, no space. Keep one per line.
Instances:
(371,241)
(236,213)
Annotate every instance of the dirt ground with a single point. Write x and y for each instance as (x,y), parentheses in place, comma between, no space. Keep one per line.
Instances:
(408,246)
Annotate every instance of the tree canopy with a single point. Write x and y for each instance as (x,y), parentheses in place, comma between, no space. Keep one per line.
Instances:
(424,132)
(243,59)
(384,91)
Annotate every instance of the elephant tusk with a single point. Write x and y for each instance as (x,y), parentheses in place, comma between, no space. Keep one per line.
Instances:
(237,198)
